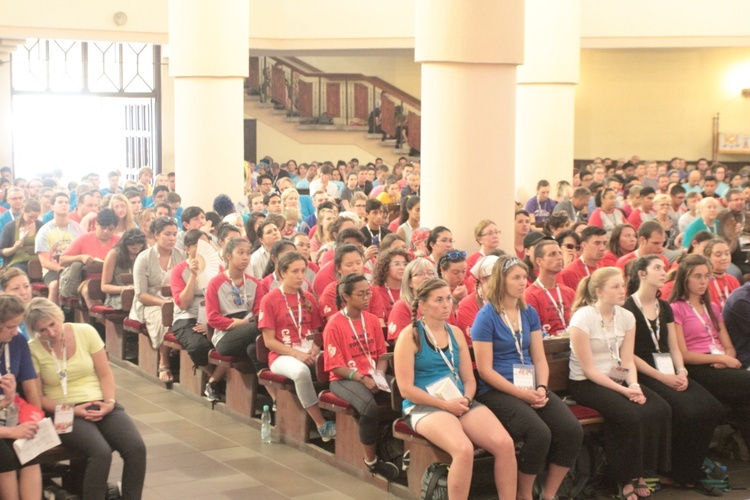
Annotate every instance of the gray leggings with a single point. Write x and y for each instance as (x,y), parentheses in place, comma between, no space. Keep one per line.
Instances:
(97,440)
(365,402)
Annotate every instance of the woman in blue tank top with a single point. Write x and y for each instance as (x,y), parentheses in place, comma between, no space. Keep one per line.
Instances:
(435,377)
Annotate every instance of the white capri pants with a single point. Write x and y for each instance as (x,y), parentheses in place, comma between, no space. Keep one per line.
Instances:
(300,374)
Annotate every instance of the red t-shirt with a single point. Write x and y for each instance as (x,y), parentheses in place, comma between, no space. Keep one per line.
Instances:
(622,261)
(609,260)
(88,244)
(275,316)
(666,290)
(549,316)
(327,257)
(327,302)
(343,347)
(467,311)
(399,319)
(325,277)
(720,287)
(574,273)
(386,299)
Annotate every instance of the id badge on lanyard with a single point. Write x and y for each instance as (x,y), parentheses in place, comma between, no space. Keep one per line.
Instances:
(63,412)
(663,363)
(524,377)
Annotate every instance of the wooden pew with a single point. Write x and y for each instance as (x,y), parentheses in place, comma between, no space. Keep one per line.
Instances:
(241,383)
(38,288)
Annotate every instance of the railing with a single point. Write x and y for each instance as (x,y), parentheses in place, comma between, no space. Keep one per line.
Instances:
(343,99)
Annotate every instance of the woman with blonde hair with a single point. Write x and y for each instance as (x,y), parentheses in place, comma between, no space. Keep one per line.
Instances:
(603,376)
(148,216)
(663,207)
(325,217)
(564,191)
(121,207)
(487,235)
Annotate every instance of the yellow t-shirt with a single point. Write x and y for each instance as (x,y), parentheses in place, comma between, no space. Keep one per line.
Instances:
(83,383)
(385,198)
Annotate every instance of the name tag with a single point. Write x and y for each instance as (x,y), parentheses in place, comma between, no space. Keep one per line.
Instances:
(716,349)
(379,377)
(524,377)
(9,416)
(64,419)
(618,373)
(663,363)
(304,346)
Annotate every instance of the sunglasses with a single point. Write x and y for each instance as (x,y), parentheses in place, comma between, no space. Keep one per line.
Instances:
(236,295)
(455,255)
(571,246)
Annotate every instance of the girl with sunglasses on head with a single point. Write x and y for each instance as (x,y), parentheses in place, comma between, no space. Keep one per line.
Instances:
(705,344)
(570,244)
(417,272)
(452,268)
(271,278)
(150,273)
(658,359)
(289,318)
(623,240)
(353,346)
(487,235)
(348,259)
(189,321)
(429,353)
(603,376)
(472,303)
(231,304)
(513,371)
(387,278)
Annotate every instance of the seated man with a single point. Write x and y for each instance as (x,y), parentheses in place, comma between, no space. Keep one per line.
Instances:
(52,240)
(84,249)
(550,299)
(593,245)
(541,205)
(651,239)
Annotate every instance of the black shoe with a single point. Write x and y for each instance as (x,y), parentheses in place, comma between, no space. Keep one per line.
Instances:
(386,469)
(211,392)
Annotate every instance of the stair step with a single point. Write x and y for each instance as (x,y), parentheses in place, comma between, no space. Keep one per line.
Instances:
(293,119)
(346,128)
(278,112)
(265,105)
(252,97)
(374,136)
(388,143)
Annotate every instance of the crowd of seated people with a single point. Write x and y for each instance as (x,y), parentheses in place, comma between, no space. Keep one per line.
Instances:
(640,264)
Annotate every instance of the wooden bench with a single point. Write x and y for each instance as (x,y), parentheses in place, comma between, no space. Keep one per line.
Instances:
(116,338)
(241,383)
(70,474)
(292,421)
(36,277)
(91,270)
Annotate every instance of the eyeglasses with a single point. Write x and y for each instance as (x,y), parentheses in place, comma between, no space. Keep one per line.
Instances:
(363,295)
(571,246)
(237,295)
(424,274)
(397,263)
(491,233)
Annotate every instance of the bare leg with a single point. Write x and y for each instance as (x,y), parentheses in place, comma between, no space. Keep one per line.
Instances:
(486,431)
(555,476)
(316,414)
(31,482)
(370,452)
(53,289)
(218,373)
(8,485)
(444,430)
(165,373)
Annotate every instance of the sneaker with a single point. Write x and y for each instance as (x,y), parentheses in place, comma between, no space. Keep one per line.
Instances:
(386,469)
(327,431)
(210,392)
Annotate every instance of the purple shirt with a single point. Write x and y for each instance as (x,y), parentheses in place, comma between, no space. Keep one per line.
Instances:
(541,211)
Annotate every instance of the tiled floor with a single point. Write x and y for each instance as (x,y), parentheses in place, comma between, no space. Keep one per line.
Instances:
(194,452)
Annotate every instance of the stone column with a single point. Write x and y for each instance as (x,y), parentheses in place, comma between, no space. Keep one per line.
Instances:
(469,52)
(208,54)
(545,113)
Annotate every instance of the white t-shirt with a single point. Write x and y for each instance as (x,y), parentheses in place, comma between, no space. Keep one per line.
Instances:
(602,342)
(331,188)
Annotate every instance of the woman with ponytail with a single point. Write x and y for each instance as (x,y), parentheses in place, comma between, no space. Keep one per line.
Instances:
(603,376)
(657,356)
(435,377)
(353,345)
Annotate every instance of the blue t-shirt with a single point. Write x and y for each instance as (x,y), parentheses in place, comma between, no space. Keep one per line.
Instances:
(48,217)
(22,331)
(20,361)
(429,365)
(489,327)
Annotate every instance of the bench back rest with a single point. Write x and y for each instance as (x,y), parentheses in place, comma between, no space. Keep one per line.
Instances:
(95,289)
(94,267)
(35,270)
(167,314)
(557,352)
(261,351)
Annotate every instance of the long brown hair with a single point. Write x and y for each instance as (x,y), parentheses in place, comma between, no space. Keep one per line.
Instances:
(496,285)
(680,290)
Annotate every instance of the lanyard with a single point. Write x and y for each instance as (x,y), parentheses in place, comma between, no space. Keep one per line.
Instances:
(244,283)
(705,325)
(373,235)
(722,297)
(6,349)
(62,372)
(390,295)
(365,348)
(585,267)
(655,337)
(613,350)
(517,334)
(451,366)
(298,321)
(560,308)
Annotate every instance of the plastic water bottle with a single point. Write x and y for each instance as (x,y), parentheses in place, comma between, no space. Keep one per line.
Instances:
(265,426)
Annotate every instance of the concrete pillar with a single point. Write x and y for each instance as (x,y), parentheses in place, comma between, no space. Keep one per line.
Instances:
(6,109)
(469,52)
(545,102)
(208,54)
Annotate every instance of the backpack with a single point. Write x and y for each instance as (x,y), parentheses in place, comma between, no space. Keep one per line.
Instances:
(435,482)
(391,449)
(587,478)
(717,477)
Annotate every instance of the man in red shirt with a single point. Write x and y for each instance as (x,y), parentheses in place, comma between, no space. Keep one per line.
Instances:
(550,299)
(593,244)
(651,240)
(87,248)
(87,203)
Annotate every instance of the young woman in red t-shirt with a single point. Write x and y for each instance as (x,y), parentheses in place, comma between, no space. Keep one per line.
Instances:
(353,345)
(288,318)
(387,278)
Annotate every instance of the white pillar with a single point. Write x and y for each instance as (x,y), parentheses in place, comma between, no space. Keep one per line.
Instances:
(6,115)
(208,54)
(469,52)
(546,95)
